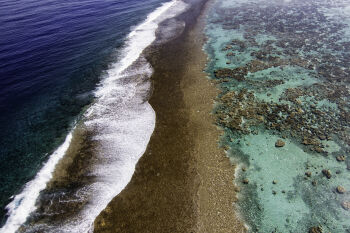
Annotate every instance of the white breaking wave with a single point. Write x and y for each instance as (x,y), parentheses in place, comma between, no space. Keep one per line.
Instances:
(123,124)
(24,203)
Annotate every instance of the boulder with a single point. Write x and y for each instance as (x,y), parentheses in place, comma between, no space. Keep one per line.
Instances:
(280,143)
(346,205)
(341,189)
(327,173)
(317,229)
(341,158)
(308,174)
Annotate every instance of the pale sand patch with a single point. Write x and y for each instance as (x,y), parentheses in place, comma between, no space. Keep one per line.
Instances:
(216,192)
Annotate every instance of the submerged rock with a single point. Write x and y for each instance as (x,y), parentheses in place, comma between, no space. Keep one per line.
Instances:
(237,73)
(341,189)
(279,143)
(341,158)
(327,173)
(318,149)
(308,174)
(346,205)
(310,141)
(245,181)
(317,229)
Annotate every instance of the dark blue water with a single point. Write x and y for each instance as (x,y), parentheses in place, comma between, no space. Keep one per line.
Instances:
(52,55)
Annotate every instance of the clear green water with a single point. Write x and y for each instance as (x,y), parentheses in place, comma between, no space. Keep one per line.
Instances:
(284,72)
(297,204)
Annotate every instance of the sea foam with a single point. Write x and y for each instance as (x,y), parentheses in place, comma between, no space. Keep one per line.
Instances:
(24,203)
(122,121)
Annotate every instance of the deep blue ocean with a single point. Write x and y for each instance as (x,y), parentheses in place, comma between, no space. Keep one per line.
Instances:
(52,56)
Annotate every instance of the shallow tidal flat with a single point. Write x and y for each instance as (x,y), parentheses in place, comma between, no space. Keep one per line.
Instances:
(283,68)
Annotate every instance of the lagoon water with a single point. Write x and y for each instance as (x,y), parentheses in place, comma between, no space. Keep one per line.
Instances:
(283,70)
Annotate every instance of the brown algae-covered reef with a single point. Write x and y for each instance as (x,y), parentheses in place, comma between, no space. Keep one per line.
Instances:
(283,68)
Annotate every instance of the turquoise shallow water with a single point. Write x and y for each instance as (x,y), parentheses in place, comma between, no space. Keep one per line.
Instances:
(283,68)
